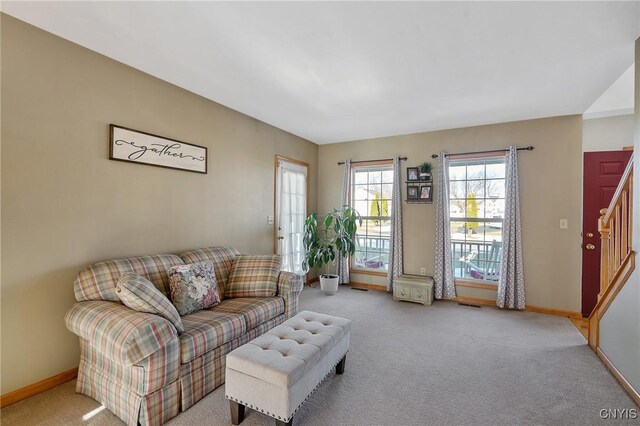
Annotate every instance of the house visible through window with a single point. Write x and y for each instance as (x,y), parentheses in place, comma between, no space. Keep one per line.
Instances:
(476,206)
(371,197)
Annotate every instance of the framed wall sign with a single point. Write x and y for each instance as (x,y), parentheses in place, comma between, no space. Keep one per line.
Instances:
(145,148)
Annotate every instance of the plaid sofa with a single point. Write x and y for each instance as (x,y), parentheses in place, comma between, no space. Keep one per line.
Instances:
(137,364)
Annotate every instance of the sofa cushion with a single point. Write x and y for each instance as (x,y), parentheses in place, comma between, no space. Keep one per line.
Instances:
(222,258)
(207,329)
(193,287)
(98,281)
(255,310)
(139,294)
(254,276)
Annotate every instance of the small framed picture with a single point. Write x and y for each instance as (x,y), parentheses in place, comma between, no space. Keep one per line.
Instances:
(425,192)
(413,174)
(412,192)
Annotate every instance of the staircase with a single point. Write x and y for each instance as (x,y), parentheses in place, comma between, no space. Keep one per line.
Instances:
(617,259)
(617,262)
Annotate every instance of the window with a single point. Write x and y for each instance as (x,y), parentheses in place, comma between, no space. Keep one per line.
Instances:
(476,209)
(371,197)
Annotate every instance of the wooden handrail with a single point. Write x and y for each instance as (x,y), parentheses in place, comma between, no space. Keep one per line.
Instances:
(626,177)
(616,229)
(617,259)
(617,263)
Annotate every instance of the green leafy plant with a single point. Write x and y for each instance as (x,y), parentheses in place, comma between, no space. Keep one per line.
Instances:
(335,238)
(425,167)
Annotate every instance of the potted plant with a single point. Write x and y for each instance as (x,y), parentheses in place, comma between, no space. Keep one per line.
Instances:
(425,171)
(335,239)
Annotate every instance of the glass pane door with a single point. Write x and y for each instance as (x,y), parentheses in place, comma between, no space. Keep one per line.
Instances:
(291,211)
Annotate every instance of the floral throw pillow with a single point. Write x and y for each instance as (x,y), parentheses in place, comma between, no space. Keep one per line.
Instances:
(193,287)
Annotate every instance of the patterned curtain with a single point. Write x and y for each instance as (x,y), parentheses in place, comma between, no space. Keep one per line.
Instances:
(342,264)
(511,283)
(443,268)
(395,244)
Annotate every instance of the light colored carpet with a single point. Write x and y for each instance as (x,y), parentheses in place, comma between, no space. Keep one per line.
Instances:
(410,365)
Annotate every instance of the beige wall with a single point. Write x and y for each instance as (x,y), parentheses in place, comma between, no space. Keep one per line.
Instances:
(608,133)
(65,205)
(550,185)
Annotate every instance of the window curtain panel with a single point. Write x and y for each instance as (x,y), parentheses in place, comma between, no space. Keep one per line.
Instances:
(443,267)
(342,264)
(395,243)
(511,282)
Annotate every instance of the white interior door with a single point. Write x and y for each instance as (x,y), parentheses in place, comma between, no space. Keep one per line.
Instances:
(291,211)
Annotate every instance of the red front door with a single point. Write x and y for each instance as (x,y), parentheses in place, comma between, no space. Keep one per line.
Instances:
(602,173)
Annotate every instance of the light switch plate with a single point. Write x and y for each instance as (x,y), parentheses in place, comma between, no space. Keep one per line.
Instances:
(269,220)
(564,224)
(423,271)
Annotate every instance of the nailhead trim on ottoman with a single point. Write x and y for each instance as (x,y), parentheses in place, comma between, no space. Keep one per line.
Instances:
(278,371)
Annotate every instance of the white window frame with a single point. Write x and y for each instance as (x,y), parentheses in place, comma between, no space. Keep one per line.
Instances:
(375,166)
(479,282)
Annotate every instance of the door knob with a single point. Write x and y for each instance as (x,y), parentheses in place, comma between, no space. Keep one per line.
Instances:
(590,247)
(589,234)
(281,238)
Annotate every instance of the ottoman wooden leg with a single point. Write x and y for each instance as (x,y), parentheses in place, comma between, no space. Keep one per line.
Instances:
(281,423)
(237,412)
(340,366)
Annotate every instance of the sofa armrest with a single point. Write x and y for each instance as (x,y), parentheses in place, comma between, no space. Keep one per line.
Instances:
(289,288)
(120,333)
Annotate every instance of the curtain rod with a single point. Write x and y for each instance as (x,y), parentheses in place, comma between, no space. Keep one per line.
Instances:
(340,163)
(528,148)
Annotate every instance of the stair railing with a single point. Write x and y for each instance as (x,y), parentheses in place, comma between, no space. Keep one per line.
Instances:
(617,257)
(616,229)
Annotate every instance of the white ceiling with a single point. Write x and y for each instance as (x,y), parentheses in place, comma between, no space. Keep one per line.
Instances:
(331,72)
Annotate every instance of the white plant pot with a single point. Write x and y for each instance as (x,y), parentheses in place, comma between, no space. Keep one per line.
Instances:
(329,284)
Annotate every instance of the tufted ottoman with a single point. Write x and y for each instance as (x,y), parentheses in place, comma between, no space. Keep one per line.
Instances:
(276,372)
